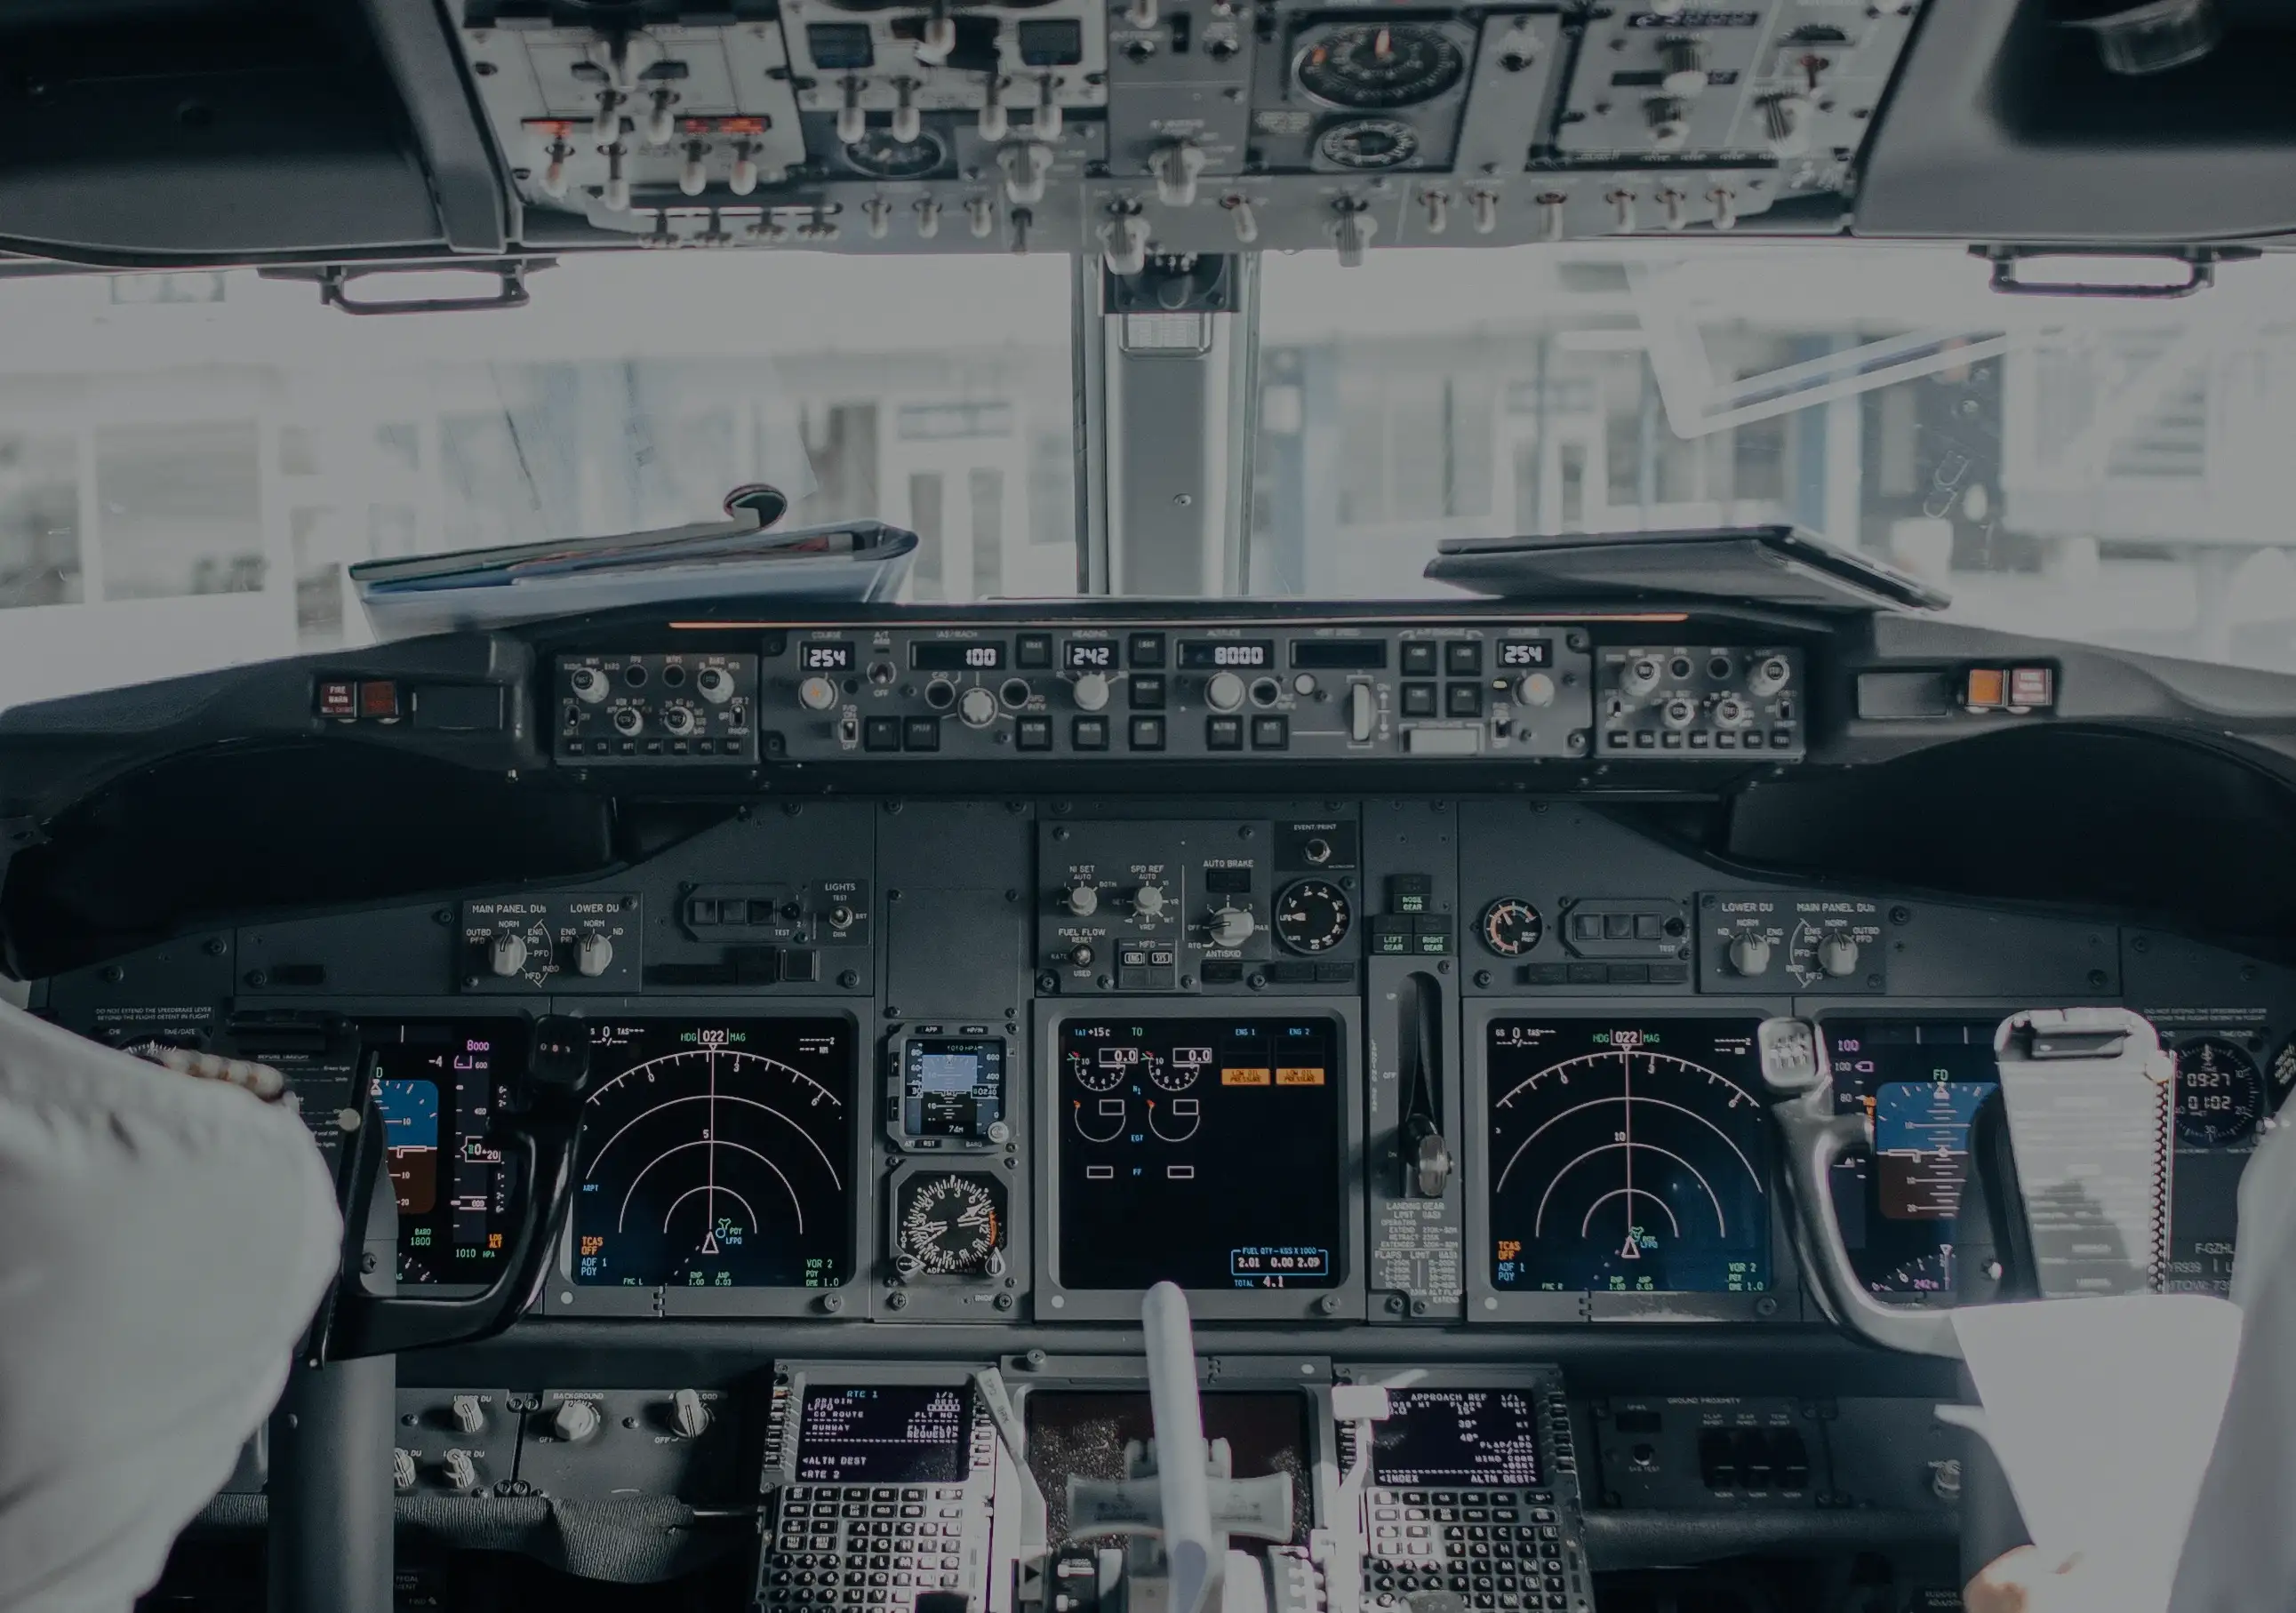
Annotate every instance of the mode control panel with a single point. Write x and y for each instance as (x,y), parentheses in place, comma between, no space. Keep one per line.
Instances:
(655,708)
(1207,691)
(1720,701)
(1200,907)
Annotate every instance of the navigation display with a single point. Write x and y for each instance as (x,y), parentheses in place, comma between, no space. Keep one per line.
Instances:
(1483,1437)
(882,1434)
(1628,1157)
(1922,1081)
(436,1085)
(1202,1151)
(717,1154)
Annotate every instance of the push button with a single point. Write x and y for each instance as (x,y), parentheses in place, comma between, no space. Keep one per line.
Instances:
(921,734)
(1144,650)
(1147,733)
(1033,734)
(1462,700)
(1418,659)
(881,733)
(1224,733)
(1464,658)
(1271,734)
(1088,732)
(1418,699)
(1147,693)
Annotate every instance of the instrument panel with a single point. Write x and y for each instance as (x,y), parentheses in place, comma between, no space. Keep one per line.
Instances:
(1401,1060)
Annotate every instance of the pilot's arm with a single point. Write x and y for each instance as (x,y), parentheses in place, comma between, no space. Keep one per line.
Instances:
(163,1241)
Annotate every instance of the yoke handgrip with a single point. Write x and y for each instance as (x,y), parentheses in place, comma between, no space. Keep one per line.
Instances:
(1815,1138)
(538,1132)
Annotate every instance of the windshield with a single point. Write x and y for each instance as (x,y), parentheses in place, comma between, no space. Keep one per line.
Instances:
(190,462)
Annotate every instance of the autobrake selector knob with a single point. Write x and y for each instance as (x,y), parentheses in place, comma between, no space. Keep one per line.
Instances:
(506,955)
(594,954)
(1148,902)
(1749,954)
(1837,955)
(1082,900)
(1224,691)
(1092,691)
(976,707)
(688,1414)
(574,1420)
(1230,927)
(469,1417)
(816,694)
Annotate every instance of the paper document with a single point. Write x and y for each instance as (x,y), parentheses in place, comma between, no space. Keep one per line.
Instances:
(2102,1413)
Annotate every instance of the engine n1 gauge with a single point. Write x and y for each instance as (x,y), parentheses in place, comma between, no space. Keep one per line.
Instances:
(945,1090)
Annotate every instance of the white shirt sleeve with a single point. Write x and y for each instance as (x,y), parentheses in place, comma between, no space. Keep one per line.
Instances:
(163,1242)
(2240,1553)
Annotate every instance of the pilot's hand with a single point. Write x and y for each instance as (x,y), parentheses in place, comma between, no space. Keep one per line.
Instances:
(2023,1581)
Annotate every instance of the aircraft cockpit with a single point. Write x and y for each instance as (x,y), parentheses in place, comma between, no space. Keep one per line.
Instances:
(1174,806)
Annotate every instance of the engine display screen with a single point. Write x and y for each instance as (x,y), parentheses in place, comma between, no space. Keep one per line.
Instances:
(717,1154)
(882,1434)
(1628,1157)
(952,1086)
(1488,1439)
(435,1088)
(1202,1151)
(1922,1082)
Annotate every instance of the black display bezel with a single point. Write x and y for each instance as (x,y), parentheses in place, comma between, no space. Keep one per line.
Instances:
(1489,1303)
(563,1297)
(1202,655)
(1344,1300)
(958,1446)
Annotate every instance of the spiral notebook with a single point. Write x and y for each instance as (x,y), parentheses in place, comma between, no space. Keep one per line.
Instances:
(2091,1101)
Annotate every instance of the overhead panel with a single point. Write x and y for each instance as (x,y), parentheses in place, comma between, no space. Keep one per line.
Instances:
(1150,129)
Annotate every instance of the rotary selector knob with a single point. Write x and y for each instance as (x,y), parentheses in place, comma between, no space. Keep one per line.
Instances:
(1731,712)
(1224,691)
(469,1417)
(687,1413)
(506,955)
(976,707)
(1769,675)
(402,1468)
(1670,124)
(1681,60)
(1678,712)
(628,721)
(1749,956)
(1082,900)
(589,685)
(816,694)
(1092,691)
(574,1420)
(681,721)
(1534,689)
(1148,902)
(714,684)
(594,954)
(460,1470)
(1230,927)
(1640,677)
(1837,955)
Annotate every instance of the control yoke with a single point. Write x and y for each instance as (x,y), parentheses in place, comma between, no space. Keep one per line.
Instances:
(535,1131)
(1180,1490)
(2032,1048)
